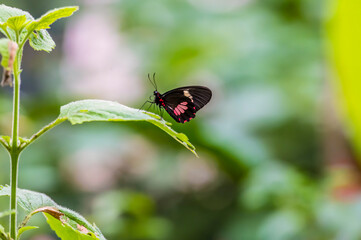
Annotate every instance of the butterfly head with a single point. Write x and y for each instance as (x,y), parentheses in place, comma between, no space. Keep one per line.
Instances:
(156,93)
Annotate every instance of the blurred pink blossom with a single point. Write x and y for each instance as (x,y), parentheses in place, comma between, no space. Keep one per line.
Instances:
(95,169)
(98,63)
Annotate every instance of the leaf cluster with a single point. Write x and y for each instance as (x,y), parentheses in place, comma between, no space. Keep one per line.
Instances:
(19,26)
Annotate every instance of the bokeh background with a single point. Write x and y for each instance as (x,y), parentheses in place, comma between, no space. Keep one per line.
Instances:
(278,143)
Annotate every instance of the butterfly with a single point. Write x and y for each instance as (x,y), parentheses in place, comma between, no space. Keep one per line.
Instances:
(181,103)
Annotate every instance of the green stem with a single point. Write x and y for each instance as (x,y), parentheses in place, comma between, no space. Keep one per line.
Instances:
(42,131)
(14,183)
(14,153)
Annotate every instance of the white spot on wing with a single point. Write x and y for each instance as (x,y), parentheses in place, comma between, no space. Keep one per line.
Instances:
(188,95)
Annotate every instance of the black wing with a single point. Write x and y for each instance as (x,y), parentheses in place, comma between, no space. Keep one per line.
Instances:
(183,103)
(199,95)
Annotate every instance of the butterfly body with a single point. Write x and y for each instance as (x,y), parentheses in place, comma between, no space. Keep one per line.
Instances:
(183,103)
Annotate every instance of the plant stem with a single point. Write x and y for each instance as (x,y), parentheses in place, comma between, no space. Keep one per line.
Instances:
(14,153)
(41,132)
(13,202)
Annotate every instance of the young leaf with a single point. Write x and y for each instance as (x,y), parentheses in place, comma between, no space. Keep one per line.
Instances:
(16,23)
(13,19)
(99,110)
(23,229)
(42,41)
(8,12)
(50,17)
(65,231)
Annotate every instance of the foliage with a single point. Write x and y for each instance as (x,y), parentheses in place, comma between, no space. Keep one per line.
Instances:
(264,170)
(19,27)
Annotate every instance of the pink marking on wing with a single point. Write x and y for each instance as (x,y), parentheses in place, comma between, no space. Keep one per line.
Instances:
(182,107)
(176,111)
(184,103)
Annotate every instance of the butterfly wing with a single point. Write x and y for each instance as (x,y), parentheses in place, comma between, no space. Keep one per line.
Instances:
(199,95)
(183,103)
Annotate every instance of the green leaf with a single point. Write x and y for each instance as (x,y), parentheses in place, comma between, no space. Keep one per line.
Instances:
(50,17)
(41,41)
(76,217)
(6,213)
(99,110)
(3,28)
(31,201)
(16,23)
(23,229)
(3,235)
(4,51)
(65,231)
(8,12)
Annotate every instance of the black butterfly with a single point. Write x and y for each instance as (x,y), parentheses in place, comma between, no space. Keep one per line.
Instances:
(181,103)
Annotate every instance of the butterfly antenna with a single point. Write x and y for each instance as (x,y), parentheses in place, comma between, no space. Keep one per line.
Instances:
(151,82)
(156,87)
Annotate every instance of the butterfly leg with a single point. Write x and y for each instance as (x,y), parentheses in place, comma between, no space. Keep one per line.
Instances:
(151,103)
(161,112)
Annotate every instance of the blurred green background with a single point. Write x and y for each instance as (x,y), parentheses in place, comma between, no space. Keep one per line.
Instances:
(276,143)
